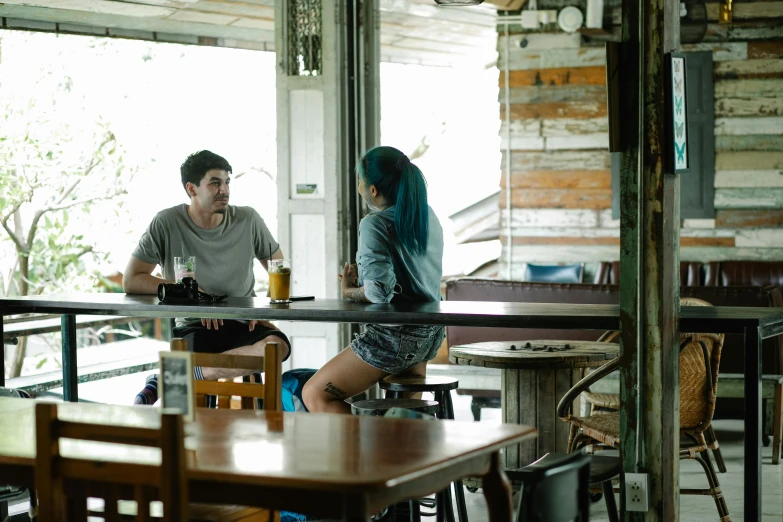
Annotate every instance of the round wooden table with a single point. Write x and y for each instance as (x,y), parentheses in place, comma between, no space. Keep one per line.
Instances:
(536,374)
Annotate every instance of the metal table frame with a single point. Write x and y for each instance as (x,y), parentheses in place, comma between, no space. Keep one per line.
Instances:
(755,324)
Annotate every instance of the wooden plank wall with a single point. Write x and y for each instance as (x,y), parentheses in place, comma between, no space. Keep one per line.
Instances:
(560,168)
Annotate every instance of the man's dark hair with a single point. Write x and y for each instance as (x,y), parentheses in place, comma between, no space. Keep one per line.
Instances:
(198,164)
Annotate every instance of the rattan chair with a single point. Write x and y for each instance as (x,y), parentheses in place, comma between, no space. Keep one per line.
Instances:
(607,402)
(699,363)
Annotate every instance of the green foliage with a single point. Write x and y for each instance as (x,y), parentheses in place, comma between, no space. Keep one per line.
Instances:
(60,166)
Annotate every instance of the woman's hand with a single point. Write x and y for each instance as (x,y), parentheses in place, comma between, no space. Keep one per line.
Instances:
(349,286)
(353,275)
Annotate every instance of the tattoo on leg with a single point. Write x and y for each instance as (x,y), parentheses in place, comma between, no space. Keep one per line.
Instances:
(334,391)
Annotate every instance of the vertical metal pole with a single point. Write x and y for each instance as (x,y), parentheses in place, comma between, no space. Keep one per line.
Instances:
(752,424)
(70,365)
(509,211)
(2,353)
(631,261)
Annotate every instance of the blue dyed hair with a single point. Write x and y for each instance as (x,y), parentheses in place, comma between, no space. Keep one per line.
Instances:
(402,184)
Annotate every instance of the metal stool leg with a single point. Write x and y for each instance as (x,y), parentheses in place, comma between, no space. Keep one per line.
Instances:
(413,505)
(440,515)
(459,490)
(611,505)
(445,505)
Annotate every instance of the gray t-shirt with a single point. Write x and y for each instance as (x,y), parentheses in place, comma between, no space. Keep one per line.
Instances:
(224,255)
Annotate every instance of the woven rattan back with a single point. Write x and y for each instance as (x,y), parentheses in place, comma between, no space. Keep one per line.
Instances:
(64,483)
(699,364)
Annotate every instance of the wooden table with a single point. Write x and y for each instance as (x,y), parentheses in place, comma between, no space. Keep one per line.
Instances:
(755,323)
(535,376)
(326,465)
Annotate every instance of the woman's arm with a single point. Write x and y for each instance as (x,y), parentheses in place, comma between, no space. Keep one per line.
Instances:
(376,272)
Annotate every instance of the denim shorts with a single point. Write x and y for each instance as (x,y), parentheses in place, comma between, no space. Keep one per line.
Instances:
(395,349)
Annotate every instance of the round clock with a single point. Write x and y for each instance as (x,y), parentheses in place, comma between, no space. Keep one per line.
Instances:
(570,19)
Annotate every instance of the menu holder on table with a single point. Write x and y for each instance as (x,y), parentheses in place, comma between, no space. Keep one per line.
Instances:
(176,385)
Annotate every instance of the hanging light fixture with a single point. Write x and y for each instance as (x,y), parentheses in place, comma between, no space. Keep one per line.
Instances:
(457,3)
(725,12)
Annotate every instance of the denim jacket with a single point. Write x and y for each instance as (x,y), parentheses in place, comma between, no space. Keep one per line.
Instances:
(388,271)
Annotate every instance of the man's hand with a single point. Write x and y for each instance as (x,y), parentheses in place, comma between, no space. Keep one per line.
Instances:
(257,322)
(212,323)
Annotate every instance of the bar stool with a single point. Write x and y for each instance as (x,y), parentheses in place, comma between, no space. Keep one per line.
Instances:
(441,388)
(379,407)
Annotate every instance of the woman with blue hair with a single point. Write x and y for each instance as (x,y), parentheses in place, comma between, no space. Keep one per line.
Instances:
(399,260)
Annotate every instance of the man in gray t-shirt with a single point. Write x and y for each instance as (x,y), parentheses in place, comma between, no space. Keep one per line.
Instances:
(225,240)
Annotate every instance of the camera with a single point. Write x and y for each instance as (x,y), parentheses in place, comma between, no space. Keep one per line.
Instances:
(186,292)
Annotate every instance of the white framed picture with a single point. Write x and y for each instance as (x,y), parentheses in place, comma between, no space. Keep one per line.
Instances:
(678,111)
(176,383)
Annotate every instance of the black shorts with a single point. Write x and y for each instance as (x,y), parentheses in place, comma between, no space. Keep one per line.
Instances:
(232,334)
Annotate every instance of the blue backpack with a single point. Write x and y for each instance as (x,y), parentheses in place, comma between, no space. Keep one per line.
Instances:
(293,383)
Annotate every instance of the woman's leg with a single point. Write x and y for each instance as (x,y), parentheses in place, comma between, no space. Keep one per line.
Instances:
(344,376)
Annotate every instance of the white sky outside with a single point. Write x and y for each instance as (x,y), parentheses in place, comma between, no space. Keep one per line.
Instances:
(166,101)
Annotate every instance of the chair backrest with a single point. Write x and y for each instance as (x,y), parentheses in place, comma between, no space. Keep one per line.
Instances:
(65,483)
(700,355)
(555,489)
(554,273)
(271,362)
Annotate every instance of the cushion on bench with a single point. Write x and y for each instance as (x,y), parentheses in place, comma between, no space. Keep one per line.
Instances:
(744,273)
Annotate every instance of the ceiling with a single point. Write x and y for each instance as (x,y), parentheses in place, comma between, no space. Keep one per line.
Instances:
(412,31)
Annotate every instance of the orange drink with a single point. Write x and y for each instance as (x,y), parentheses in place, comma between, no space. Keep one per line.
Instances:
(279,280)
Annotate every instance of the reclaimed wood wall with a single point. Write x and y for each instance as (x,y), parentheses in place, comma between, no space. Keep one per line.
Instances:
(560,168)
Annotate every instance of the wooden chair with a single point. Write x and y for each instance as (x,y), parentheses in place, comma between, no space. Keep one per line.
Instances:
(699,363)
(64,484)
(554,489)
(67,487)
(270,391)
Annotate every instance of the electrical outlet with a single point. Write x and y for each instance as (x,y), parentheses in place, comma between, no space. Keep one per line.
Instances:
(636,492)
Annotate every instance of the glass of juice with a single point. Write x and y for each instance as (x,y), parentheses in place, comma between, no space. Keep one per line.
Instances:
(279,280)
(184,267)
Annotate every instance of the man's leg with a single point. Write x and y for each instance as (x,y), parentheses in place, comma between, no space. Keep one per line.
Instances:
(149,394)
(344,376)
(257,349)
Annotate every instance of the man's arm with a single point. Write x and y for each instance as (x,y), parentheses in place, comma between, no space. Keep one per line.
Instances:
(277,255)
(138,278)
